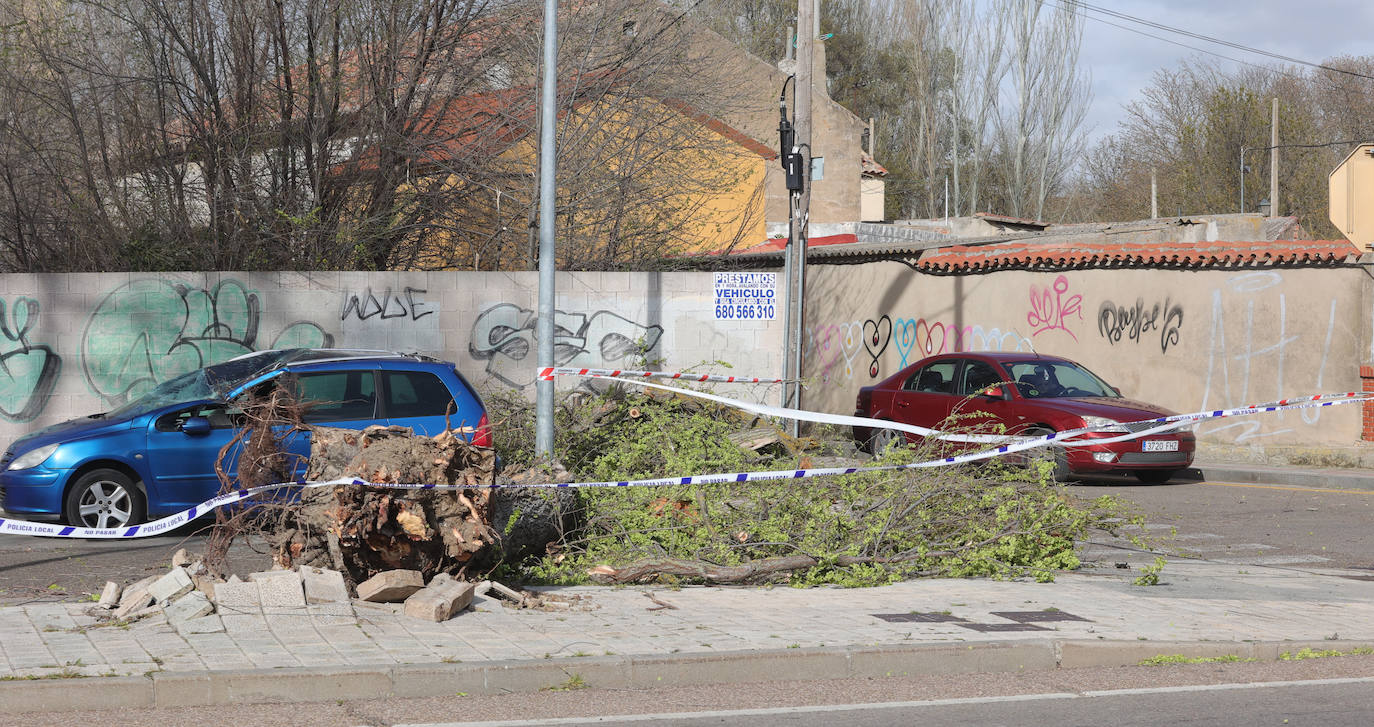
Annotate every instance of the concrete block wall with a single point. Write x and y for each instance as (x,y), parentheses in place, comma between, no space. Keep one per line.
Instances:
(76,344)
(1189,340)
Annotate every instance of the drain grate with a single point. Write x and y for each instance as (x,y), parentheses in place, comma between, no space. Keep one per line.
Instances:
(1026,617)
(1002,627)
(918,617)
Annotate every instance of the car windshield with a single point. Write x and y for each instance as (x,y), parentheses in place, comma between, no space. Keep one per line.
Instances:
(1055,379)
(211,382)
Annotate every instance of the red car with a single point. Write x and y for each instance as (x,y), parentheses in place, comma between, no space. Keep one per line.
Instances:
(1028,394)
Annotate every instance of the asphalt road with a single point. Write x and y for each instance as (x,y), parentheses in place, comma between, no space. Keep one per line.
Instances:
(67,569)
(1273,525)
(1338,695)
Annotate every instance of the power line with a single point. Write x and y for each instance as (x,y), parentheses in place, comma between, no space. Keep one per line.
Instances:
(1206,38)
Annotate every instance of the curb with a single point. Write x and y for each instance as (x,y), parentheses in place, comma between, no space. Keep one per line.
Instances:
(207,688)
(1258,474)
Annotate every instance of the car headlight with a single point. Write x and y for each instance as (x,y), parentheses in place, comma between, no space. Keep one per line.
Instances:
(1103,424)
(33,457)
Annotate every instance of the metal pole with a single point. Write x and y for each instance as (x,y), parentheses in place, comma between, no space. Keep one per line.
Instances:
(543,427)
(806,39)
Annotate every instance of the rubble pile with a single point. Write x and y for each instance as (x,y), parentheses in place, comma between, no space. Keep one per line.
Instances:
(193,601)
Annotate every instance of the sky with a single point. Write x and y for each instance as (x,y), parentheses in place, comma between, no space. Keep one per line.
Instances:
(1121,63)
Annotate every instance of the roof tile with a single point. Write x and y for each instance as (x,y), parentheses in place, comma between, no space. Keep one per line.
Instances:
(1014,255)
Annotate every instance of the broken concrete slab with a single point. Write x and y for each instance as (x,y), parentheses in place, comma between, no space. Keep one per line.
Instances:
(132,603)
(438,602)
(505,591)
(391,586)
(171,586)
(192,605)
(324,586)
(109,598)
(182,558)
(139,585)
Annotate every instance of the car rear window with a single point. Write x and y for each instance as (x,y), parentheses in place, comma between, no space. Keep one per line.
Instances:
(335,396)
(416,394)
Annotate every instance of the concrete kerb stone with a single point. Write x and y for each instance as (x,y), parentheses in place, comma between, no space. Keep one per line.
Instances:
(182,689)
(987,656)
(49,695)
(170,689)
(748,666)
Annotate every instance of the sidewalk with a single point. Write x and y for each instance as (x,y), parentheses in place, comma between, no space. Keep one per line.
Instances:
(641,637)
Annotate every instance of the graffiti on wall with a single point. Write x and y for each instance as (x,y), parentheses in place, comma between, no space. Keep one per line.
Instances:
(833,348)
(28,372)
(1248,351)
(367,305)
(1051,307)
(504,337)
(1115,322)
(147,331)
(877,335)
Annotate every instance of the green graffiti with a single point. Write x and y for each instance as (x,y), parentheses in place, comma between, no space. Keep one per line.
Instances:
(148,331)
(27,372)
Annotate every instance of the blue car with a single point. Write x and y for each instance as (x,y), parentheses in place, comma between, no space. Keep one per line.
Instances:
(156,455)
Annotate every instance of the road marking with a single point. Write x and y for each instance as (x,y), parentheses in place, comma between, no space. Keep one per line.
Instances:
(777,711)
(1288,488)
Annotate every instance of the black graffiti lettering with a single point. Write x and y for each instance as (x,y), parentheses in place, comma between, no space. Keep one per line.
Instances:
(1115,322)
(389,305)
(504,336)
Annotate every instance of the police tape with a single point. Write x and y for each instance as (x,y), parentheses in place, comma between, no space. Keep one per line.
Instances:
(1013,444)
(548,374)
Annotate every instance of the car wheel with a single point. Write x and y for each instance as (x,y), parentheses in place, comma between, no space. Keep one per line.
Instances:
(1058,458)
(1155,477)
(104,499)
(880,440)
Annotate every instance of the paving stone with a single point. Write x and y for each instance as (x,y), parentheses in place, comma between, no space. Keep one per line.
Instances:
(324,586)
(190,606)
(439,602)
(391,586)
(237,597)
(171,586)
(281,593)
(109,598)
(208,624)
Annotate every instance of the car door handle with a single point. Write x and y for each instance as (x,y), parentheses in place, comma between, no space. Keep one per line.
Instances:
(903,403)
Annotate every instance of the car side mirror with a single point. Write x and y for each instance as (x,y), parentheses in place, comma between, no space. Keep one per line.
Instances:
(993,392)
(1117,390)
(195,426)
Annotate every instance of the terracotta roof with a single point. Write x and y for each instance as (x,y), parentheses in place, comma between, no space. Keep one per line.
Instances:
(869,167)
(778,244)
(1023,255)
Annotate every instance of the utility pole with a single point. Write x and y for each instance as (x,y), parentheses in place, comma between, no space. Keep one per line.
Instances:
(543,410)
(1154,195)
(800,201)
(1274,160)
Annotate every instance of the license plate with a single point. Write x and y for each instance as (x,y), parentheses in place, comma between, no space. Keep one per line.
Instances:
(1159,445)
